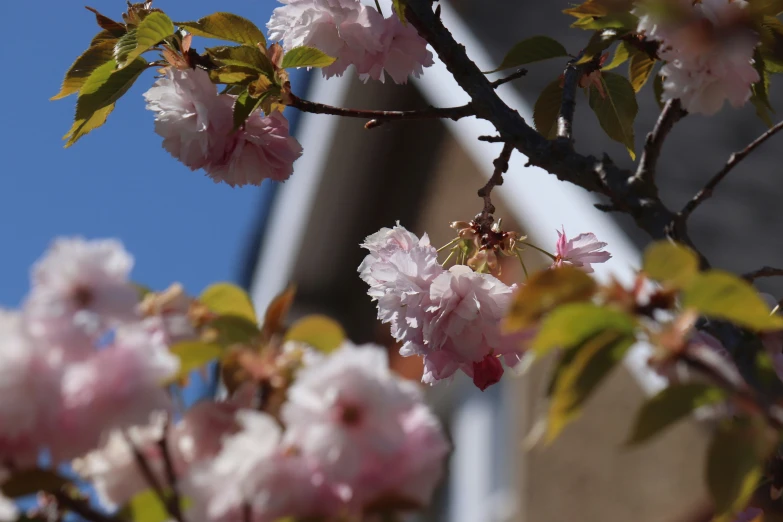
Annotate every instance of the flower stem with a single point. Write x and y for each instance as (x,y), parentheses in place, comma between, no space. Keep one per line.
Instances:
(552,256)
(524,268)
(378,5)
(444,247)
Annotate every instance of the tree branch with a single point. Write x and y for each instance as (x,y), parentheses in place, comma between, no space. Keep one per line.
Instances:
(705,193)
(501,166)
(565,120)
(378,118)
(149,476)
(672,113)
(765,271)
(81,508)
(175,502)
(511,77)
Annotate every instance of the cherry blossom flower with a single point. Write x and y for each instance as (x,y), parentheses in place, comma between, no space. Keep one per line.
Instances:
(709,54)
(262,149)
(465,327)
(119,387)
(29,393)
(189,116)
(80,288)
(581,251)
(344,29)
(347,407)
(253,470)
(403,53)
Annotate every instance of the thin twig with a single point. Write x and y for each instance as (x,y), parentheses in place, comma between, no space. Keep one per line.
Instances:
(705,193)
(492,139)
(149,476)
(765,271)
(565,120)
(672,113)
(174,501)
(378,118)
(81,508)
(501,167)
(511,77)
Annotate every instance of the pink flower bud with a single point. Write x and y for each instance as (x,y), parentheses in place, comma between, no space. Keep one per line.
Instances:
(487,372)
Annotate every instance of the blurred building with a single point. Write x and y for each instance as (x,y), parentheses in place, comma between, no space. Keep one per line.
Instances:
(350,182)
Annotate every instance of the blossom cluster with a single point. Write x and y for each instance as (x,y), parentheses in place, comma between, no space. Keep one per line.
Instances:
(708,50)
(196,124)
(355,34)
(87,371)
(451,318)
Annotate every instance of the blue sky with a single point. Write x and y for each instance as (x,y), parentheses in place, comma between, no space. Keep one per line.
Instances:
(117,181)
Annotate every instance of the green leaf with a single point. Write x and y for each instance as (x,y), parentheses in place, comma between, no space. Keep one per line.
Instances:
(243,56)
(721,295)
(103,36)
(766,7)
(107,24)
(598,43)
(734,467)
(771,47)
(194,355)
(233,74)
(547,110)
(620,21)
(639,68)
(760,90)
(621,55)
(670,263)
(124,46)
(306,57)
(30,481)
(671,405)
(244,107)
(319,331)
(572,324)
(145,507)
(531,50)
(231,329)
(84,65)
(616,109)
(658,90)
(399,9)
(226,26)
(228,299)
(98,94)
(576,382)
(545,291)
(151,31)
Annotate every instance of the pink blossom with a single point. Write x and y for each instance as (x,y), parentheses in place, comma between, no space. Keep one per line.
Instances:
(29,393)
(403,53)
(581,251)
(750,514)
(120,386)
(347,407)
(262,149)
(80,288)
(253,469)
(189,117)
(344,29)
(709,54)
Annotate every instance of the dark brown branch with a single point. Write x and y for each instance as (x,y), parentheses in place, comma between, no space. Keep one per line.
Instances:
(672,113)
(501,167)
(492,139)
(151,479)
(565,120)
(766,271)
(511,77)
(378,118)
(638,199)
(81,508)
(705,193)
(174,501)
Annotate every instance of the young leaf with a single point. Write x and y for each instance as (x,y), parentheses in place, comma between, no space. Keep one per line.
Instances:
(194,355)
(620,21)
(588,8)
(228,330)
(100,91)
(276,313)
(760,90)
(30,481)
(399,9)
(572,324)
(591,364)
(319,331)
(84,65)
(671,405)
(151,31)
(621,55)
(243,107)
(146,507)
(103,36)
(639,68)
(616,109)
(107,24)
(531,50)
(669,263)
(233,74)
(734,468)
(226,26)
(547,110)
(306,57)
(721,295)
(546,290)
(243,56)
(228,299)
